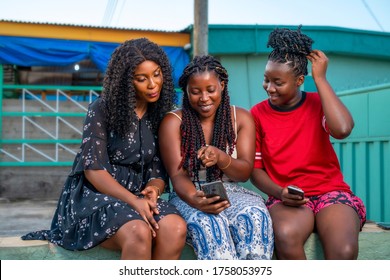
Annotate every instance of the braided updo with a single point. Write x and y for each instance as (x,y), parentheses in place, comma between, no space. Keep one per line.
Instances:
(191,129)
(290,47)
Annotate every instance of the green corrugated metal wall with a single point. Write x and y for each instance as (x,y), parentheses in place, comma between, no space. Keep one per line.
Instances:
(365,155)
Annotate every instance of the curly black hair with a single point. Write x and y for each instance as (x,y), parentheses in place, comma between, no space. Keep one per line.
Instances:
(119,96)
(291,47)
(191,129)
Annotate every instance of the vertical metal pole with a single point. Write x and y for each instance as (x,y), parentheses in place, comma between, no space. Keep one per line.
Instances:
(201,28)
(1,100)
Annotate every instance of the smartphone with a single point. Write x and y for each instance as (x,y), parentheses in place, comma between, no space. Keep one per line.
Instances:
(215,188)
(296,190)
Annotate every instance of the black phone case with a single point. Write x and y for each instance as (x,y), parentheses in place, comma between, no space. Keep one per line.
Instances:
(295,190)
(213,189)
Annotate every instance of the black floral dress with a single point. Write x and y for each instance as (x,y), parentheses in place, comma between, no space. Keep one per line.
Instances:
(84,217)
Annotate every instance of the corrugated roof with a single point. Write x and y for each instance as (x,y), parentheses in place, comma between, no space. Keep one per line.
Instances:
(90,33)
(185,30)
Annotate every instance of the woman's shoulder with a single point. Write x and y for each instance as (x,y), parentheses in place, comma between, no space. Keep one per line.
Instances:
(313,99)
(171,121)
(240,111)
(243,116)
(260,105)
(313,96)
(96,108)
(175,113)
(96,104)
(238,108)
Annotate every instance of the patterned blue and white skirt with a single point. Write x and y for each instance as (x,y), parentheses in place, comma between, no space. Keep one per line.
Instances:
(242,231)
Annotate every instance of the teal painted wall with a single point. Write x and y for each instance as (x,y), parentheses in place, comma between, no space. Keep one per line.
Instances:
(347,72)
(357,58)
(245,79)
(252,39)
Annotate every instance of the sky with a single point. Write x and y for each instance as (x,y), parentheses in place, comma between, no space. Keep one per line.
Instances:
(176,15)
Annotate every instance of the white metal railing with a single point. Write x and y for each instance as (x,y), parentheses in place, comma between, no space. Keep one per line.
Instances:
(37,146)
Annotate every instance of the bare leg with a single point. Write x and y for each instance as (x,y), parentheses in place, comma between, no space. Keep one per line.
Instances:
(133,239)
(292,227)
(170,238)
(338,227)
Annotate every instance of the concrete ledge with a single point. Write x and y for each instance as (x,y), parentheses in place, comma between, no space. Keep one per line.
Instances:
(14,248)
(374,244)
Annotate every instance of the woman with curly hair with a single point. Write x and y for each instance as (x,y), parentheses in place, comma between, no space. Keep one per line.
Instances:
(209,140)
(293,149)
(112,195)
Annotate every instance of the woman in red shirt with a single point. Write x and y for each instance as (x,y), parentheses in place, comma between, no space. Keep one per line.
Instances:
(293,148)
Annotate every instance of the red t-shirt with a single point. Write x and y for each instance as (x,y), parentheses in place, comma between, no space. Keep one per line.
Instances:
(294,147)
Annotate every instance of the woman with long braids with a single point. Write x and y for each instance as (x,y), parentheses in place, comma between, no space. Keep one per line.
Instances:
(293,148)
(112,195)
(209,140)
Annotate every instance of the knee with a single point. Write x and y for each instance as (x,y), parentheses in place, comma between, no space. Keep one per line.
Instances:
(349,252)
(136,233)
(262,215)
(342,252)
(287,236)
(181,228)
(175,226)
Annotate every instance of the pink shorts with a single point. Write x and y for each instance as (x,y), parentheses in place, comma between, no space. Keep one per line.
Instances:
(318,202)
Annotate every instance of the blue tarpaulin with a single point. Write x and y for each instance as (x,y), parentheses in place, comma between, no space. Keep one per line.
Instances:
(26,51)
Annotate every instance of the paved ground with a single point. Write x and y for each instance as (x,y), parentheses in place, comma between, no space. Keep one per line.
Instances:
(22,216)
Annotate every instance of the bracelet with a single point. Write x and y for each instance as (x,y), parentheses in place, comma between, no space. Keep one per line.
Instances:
(158,191)
(230,162)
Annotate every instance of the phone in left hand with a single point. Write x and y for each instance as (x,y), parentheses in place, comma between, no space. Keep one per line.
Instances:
(296,190)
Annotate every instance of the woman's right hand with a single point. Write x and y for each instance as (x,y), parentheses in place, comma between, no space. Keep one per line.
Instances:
(146,208)
(208,205)
(291,199)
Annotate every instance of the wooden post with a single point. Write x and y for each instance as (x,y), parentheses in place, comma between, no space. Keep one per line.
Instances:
(201,29)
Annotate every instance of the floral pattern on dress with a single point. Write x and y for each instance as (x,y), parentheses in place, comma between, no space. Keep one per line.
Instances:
(84,217)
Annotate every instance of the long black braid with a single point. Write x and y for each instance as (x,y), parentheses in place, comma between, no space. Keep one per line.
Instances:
(191,129)
(119,96)
(291,47)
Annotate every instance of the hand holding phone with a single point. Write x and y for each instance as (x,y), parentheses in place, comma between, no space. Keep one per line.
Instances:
(296,190)
(216,188)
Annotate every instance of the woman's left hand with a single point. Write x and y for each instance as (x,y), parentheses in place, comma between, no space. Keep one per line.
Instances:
(319,64)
